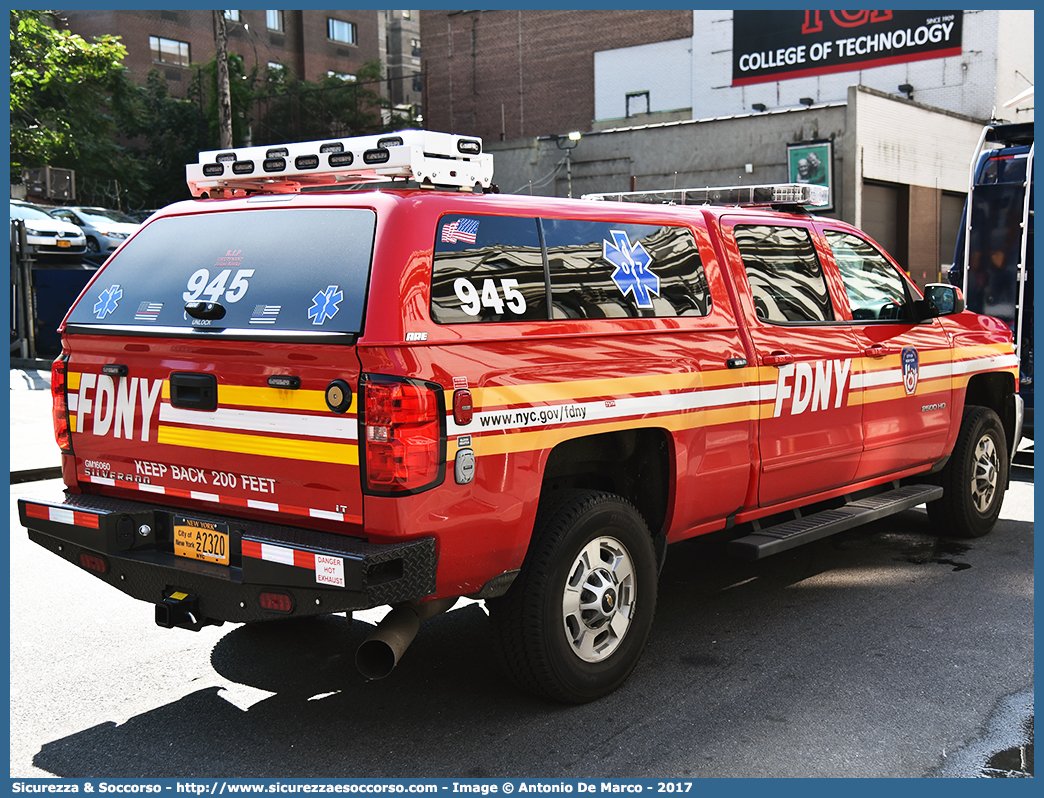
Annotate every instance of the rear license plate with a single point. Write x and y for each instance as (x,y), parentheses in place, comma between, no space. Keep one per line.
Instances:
(201,540)
(63,243)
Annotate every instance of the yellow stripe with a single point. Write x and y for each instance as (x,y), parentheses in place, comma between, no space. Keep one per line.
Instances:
(338,453)
(889,392)
(72,381)
(278,398)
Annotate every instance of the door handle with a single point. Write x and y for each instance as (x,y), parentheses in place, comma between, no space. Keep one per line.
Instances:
(877,351)
(777,359)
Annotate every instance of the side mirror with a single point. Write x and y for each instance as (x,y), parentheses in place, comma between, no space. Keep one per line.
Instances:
(940,299)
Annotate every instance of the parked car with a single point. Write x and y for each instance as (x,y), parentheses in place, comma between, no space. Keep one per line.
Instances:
(46,235)
(105,229)
(141,216)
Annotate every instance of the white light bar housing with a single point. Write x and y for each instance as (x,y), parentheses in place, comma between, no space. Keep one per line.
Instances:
(428,158)
(777,194)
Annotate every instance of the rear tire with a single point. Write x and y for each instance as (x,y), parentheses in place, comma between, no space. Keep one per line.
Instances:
(974,478)
(576,619)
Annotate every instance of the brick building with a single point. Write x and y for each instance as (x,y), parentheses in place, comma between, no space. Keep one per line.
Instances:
(402,60)
(311,43)
(511,74)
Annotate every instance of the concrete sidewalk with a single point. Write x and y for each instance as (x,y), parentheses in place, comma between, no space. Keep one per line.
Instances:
(31,421)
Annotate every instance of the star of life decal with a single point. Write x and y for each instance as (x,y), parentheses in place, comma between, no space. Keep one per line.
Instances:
(325,304)
(107,302)
(632,273)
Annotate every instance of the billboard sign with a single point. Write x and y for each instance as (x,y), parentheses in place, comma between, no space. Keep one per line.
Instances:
(780,45)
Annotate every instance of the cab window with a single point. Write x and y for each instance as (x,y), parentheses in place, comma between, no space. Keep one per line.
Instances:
(785,276)
(876,290)
(487,268)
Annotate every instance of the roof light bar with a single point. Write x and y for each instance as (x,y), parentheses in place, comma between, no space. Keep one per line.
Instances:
(429,158)
(777,194)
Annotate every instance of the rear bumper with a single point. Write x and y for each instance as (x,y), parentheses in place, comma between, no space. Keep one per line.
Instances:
(129,545)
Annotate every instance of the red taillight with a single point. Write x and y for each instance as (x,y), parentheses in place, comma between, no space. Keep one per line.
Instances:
(93,562)
(60,406)
(276,602)
(403,441)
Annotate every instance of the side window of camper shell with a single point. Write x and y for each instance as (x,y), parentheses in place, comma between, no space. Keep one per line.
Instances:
(497,269)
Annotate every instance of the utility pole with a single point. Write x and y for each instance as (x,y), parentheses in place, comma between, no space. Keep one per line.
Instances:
(224,95)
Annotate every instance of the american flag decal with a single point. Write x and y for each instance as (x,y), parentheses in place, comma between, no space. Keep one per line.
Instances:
(265,314)
(465,230)
(148,311)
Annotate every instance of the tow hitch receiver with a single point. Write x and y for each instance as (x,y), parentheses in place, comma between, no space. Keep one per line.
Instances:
(181,610)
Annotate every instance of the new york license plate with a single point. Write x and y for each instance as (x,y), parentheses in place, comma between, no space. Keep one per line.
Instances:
(201,540)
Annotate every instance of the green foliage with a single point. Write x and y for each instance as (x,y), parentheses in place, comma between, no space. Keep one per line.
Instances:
(241,92)
(74,106)
(290,109)
(67,98)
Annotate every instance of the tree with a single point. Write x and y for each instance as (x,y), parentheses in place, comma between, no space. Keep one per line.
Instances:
(68,99)
(290,109)
(241,97)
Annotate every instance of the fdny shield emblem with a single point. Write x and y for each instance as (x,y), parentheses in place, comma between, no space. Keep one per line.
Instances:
(910,369)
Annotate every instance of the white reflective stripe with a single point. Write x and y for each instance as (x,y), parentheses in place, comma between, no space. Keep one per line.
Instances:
(152,488)
(256,505)
(278,554)
(61,516)
(341,428)
(985,364)
(104,481)
(936,371)
(204,497)
(878,379)
(326,514)
(72,401)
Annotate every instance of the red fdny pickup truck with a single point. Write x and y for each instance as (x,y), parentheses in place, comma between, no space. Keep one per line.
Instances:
(302,394)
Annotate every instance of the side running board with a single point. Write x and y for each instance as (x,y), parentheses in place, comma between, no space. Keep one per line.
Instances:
(790,534)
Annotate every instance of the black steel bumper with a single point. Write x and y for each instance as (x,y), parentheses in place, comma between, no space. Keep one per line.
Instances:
(130,546)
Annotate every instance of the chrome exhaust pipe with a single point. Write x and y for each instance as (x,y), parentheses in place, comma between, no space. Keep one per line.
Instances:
(381,651)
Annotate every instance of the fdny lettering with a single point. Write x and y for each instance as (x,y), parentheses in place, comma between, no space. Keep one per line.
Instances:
(114,404)
(811,385)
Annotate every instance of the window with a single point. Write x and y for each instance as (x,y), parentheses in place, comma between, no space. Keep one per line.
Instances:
(876,291)
(169,51)
(346,76)
(610,270)
(487,268)
(495,269)
(232,15)
(340,31)
(637,102)
(239,259)
(784,274)
(274,20)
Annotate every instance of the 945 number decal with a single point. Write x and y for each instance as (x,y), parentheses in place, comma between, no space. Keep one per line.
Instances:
(201,286)
(472,302)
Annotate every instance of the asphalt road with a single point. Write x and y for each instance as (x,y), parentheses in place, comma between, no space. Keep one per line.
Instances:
(880,652)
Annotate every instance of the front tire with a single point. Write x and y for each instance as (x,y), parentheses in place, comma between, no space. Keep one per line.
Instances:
(974,479)
(576,619)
